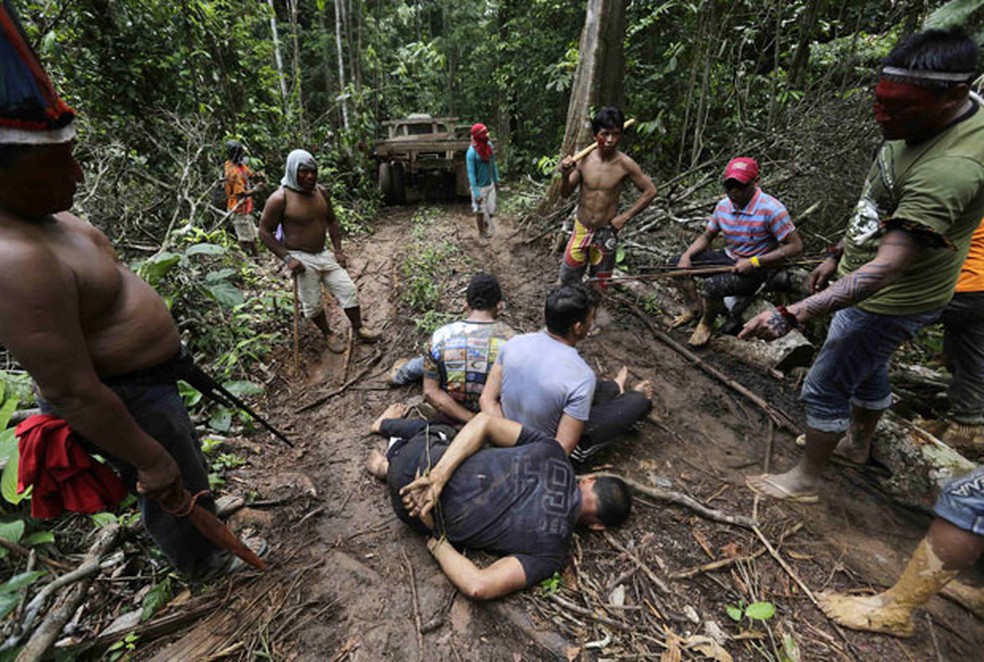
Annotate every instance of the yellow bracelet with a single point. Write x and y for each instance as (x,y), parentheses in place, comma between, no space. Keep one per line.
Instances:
(755,261)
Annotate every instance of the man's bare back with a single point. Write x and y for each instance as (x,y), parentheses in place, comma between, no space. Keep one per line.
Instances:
(65,273)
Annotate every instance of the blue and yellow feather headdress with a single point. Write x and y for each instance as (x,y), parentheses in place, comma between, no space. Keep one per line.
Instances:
(31,112)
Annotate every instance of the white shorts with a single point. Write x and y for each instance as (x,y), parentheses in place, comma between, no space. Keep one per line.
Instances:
(487,205)
(245,227)
(322,269)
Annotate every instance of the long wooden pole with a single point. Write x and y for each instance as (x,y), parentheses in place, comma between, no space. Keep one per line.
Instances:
(297,332)
(679,272)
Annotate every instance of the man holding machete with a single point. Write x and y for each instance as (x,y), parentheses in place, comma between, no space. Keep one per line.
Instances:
(600,175)
(98,341)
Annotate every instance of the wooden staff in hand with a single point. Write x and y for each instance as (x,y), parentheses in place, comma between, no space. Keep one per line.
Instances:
(297,332)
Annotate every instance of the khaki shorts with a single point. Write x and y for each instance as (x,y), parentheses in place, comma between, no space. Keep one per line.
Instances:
(322,269)
(245,227)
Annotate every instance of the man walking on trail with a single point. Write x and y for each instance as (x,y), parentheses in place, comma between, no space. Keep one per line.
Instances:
(303,208)
(99,343)
(460,355)
(483,175)
(518,499)
(758,237)
(900,257)
(600,175)
(239,196)
(955,541)
(541,381)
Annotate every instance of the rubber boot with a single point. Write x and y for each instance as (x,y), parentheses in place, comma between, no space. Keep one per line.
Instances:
(891,612)
(970,598)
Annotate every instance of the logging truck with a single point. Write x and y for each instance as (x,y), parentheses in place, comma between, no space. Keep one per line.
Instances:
(423,155)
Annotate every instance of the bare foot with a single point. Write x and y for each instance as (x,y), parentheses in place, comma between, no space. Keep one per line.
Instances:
(395,410)
(377,464)
(871,613)
(645,388)
(621,377)
(789,486)
(701,334)
(685,317)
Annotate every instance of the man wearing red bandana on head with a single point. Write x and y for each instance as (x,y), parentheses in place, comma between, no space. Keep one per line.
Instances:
(900,256)
(483,175)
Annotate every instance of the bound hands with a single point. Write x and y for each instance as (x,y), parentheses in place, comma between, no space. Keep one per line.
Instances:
(422,495)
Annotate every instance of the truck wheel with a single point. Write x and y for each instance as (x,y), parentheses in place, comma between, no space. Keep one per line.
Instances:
(386,182)
(399,187)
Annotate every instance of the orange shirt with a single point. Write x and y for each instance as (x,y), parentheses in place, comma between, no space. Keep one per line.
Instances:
(972,275)
(237,182)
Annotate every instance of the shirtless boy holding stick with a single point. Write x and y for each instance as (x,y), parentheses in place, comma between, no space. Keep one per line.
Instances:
(600,176)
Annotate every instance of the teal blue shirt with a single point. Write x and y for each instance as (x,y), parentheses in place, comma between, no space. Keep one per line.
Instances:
(481,173)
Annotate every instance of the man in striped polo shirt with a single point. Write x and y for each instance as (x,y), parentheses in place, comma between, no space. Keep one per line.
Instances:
(758,236)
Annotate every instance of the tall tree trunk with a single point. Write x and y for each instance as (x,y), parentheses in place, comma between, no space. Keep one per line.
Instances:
(341,63)
(503,90)
(292,6)
(600,68)
(801,57)
(276,52)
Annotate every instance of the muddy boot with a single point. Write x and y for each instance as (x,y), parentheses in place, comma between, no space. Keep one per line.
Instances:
(968,440)
(891,612)
(970,598)
(335,344)
(361,333)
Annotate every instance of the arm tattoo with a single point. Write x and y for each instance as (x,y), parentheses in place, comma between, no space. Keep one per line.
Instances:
(853,288)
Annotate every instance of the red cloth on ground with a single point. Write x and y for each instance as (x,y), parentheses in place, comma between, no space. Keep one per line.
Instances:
(64,475)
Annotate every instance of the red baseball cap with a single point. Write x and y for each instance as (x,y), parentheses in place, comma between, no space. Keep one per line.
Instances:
(743,168)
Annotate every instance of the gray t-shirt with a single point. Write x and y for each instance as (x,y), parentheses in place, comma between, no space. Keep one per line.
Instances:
(543,379)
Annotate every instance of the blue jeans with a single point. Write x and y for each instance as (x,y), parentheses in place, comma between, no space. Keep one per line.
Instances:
(852,366)
(962,502)
(411,372)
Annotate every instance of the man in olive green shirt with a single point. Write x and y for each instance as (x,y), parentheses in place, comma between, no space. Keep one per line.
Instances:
(900,257)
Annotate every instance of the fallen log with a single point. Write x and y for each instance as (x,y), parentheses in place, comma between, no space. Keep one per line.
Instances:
(920,463)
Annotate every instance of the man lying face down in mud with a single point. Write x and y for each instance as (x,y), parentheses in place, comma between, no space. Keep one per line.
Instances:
(518,498)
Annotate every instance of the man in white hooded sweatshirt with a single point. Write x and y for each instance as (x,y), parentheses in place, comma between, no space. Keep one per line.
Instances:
(303,208)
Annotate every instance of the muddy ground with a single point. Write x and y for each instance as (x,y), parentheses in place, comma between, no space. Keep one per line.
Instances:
(349,582)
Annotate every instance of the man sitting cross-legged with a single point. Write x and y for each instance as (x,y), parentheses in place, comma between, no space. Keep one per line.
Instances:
(460,354)
(540,380)
(518,498)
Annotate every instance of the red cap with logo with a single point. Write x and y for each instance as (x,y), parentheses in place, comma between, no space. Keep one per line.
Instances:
(744,169)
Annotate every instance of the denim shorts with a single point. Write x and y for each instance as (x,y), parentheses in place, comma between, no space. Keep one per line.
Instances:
(962,502)
(852,366)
